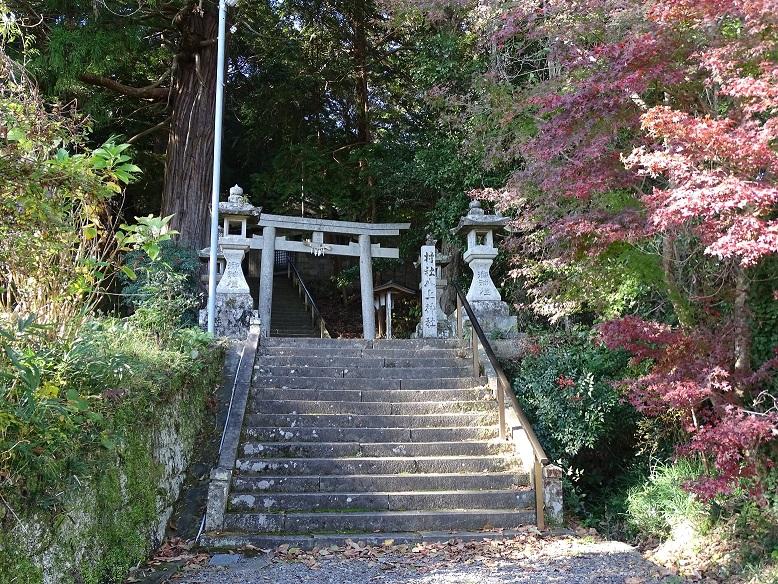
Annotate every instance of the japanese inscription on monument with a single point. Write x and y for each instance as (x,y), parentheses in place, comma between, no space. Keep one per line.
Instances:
(429,313)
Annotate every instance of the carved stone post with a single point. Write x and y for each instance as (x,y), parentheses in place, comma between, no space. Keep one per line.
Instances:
(429,292)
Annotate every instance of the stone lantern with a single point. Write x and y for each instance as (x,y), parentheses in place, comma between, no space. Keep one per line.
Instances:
(234,304)
(493,314)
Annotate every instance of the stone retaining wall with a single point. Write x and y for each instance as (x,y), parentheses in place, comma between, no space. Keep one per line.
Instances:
(113,518)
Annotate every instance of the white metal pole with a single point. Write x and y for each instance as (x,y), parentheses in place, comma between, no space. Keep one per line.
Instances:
(217,156)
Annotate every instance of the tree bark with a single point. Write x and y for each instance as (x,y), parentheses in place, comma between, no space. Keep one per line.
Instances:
(680,305)
(189,158)
(741,316)
(362,97)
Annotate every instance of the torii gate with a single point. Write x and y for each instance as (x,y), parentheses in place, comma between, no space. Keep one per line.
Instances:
(269,242)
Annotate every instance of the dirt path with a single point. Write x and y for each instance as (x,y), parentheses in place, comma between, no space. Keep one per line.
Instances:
(525,559)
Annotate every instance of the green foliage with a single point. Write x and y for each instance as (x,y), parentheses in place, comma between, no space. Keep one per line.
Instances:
(55,197)
(565,385)
(764,310)
(161,292)
(661,504)
(345,277)
(567,389)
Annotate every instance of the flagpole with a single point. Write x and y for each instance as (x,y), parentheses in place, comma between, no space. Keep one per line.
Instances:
(217,156)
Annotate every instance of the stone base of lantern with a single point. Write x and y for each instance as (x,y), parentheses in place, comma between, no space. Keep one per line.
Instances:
(233,315)
(494,317)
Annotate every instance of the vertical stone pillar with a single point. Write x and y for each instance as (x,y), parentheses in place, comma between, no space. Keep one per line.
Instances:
(366,285)
(266,279)
(552,494)
(429,292)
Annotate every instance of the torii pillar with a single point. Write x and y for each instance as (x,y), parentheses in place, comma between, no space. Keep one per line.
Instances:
(366,286)
(266,279)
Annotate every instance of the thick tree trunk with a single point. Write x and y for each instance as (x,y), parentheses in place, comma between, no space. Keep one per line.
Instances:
(362,98)
(189,159)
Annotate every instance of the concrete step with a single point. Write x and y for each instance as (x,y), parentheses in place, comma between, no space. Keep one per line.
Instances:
(467,519)
(376,465)
(363,372)
(357,362)
(355,449)
(417,344)
(379,395)
(233,541)
(368,434)
(291,349)
(316,343)
(367,408)
(392,501)
(373,421)
(301,382)
(377,483)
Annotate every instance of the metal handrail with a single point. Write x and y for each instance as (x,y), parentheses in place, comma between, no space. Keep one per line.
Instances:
(293,272)
(503,388)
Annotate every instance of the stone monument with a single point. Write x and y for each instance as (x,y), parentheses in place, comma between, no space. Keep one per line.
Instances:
(493,314)
(234,304)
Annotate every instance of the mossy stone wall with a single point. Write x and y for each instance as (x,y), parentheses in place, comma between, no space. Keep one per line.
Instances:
(118,514)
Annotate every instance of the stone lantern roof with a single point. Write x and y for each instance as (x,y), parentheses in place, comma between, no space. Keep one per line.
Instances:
(238,205)
(477,219)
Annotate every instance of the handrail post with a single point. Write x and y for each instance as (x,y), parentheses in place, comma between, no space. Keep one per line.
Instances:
(501,409)
(540,518)
(459,317)
(476,360)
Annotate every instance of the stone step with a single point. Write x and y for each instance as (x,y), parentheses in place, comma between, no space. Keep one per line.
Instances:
(355,362)
(302,382)
(461,519)
(377,395)
(417,344)
(316,343)
(392,501)
(233,541)
(373,421)
(364,372)
(368,434)
(356,449)
(291,349)
(288,406)
(380,483)
(376,465)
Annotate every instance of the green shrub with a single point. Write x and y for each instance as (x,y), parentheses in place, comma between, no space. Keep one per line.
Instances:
(164,294)
(565,386)
(661,504)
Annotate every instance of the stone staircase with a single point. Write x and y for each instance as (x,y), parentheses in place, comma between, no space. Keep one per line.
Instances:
(369,440)
(290,318)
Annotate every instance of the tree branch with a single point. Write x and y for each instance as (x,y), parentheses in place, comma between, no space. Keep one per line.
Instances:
(149,92)
(150,130)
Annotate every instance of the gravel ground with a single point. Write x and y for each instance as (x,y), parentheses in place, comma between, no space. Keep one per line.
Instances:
(552,560)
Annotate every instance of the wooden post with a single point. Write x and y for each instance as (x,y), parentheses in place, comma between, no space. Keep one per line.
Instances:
(476,360)
(539,496)
(460,332)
